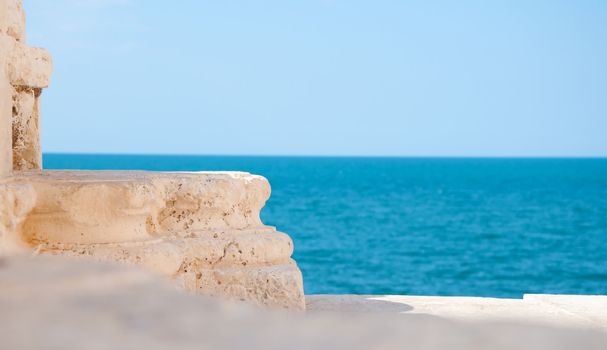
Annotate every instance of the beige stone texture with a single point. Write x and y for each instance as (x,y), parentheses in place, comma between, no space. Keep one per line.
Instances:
(12,19)
(123,206)
(16,201)
(57,303)
(27,152)
(29,70)
(6,154)
(6,120)
(24,71)
(202,230)
(29,66)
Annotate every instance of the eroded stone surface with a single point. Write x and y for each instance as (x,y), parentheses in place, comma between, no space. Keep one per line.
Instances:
(6,153)
(24,71)
(29,70)
(16,201)
(202,230)
(123,206)
(6,121)
(12,19)
(29,66)
(27,153)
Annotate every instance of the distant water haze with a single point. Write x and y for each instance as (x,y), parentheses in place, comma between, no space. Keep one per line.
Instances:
(425,226)
(325,77)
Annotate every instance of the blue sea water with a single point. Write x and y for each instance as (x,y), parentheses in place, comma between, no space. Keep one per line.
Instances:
(427,226)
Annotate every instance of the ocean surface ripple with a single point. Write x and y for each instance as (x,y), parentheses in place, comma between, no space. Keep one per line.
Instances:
(496,227)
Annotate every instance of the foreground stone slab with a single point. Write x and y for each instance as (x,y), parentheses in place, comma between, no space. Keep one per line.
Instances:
(583,312)
(202,230)
(58,303)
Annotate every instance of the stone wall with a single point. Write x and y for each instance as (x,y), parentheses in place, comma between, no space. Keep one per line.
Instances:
(6,156)
(24,72)
(6,153)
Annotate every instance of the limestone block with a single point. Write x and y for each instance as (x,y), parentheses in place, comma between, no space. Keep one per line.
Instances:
(6,153)
(27,153)
(253,266)
(6,163)
(29,66)
(12,19)
(279,286)
(201,230)
(70,210)
(16,201)
(119,206)
(24,71)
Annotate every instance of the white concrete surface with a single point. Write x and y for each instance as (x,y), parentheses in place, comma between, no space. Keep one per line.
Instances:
(571,311)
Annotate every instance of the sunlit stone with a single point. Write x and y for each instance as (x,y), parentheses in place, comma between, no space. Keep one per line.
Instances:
(201,230)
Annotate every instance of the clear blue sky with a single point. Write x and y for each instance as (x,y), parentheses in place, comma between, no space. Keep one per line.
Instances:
(325,77)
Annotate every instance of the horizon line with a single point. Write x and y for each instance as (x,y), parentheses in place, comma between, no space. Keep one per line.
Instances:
(327,156)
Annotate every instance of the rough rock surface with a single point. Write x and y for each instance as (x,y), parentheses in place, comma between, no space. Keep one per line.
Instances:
(6,121)
(29,66)
(123,206)
(202,230)
(16,201)
(27,153)
(24,71)
(57,303)
(12,19)
(6,154)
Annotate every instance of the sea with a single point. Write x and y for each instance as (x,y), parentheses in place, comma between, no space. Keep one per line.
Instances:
(493,227)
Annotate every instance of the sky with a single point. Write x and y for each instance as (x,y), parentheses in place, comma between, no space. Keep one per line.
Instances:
(324,77)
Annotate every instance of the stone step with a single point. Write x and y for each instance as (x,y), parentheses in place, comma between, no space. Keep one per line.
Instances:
(121,206)
(202,250)
(202,230)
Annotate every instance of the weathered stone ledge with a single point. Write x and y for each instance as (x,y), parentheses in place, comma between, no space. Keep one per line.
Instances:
(200,229)
(122,206)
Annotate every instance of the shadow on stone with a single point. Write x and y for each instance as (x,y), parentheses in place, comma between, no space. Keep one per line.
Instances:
(355,303)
